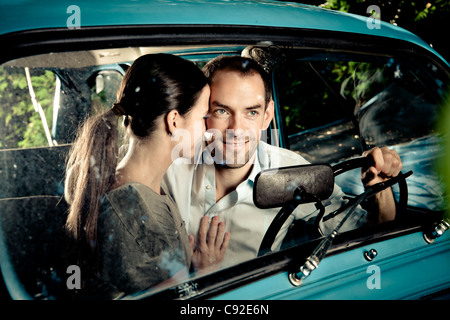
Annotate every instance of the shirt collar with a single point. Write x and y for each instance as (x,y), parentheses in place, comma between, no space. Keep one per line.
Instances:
(256,168)
(262,161)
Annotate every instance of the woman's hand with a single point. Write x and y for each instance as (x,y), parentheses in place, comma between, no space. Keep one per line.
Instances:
(212,243)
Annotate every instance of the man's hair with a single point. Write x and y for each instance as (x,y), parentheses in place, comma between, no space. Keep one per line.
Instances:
(245,66)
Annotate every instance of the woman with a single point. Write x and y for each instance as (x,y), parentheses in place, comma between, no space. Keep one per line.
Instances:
(129,233)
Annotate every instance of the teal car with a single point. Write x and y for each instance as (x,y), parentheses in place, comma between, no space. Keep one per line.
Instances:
(342,84)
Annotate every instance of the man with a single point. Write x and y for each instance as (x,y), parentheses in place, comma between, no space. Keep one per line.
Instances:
(241,108)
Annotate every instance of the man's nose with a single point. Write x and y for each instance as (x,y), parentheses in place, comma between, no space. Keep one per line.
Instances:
(235,128)
(235,123)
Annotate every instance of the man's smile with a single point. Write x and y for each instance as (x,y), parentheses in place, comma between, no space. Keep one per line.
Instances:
(235,144)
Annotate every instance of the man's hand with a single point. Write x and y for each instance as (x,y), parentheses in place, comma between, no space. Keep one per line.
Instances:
(212,244)
(387,165)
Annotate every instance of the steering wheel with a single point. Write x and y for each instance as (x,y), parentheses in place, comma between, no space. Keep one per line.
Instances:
(344,166)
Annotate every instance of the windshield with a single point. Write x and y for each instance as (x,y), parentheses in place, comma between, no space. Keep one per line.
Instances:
(328,106)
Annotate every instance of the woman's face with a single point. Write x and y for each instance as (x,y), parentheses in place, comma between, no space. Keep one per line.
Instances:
(194,127)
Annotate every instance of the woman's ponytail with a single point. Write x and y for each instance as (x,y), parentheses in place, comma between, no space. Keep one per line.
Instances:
(91,168)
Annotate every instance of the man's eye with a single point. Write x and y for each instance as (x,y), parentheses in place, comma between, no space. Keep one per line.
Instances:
(220,111)
(253,113)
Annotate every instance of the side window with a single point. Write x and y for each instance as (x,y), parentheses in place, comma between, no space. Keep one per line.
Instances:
(43,106)
(17,107)
(335,107)
(317,117)
(84,91)
(104,85)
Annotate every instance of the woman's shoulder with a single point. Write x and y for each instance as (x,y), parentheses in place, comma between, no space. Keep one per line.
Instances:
(137,201)
(140,211)
(131,187)
(132,194)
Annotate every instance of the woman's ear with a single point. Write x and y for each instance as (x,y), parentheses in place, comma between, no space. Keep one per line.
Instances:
(172,121)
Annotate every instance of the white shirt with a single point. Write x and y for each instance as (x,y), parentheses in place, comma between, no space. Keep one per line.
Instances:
(193,189)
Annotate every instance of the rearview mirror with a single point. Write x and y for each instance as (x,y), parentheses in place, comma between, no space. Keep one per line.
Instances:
(277,187)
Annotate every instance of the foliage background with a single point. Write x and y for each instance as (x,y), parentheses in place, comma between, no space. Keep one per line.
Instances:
(20,124)
(428,19)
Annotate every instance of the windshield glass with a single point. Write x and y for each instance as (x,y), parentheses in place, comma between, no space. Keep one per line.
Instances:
(328,107)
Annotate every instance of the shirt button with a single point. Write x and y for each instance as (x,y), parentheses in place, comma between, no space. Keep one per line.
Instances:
(208,187)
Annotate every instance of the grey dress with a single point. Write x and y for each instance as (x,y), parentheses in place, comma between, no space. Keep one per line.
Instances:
(142,240)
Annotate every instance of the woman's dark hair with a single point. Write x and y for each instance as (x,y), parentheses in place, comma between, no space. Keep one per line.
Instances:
(152,87)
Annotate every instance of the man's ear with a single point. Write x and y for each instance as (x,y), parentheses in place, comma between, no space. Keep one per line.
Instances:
(172,121)
(268,114)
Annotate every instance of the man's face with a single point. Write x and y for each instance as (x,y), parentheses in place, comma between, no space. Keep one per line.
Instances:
(237,114)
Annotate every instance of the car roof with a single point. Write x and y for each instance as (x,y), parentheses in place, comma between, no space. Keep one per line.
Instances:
(21,15)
